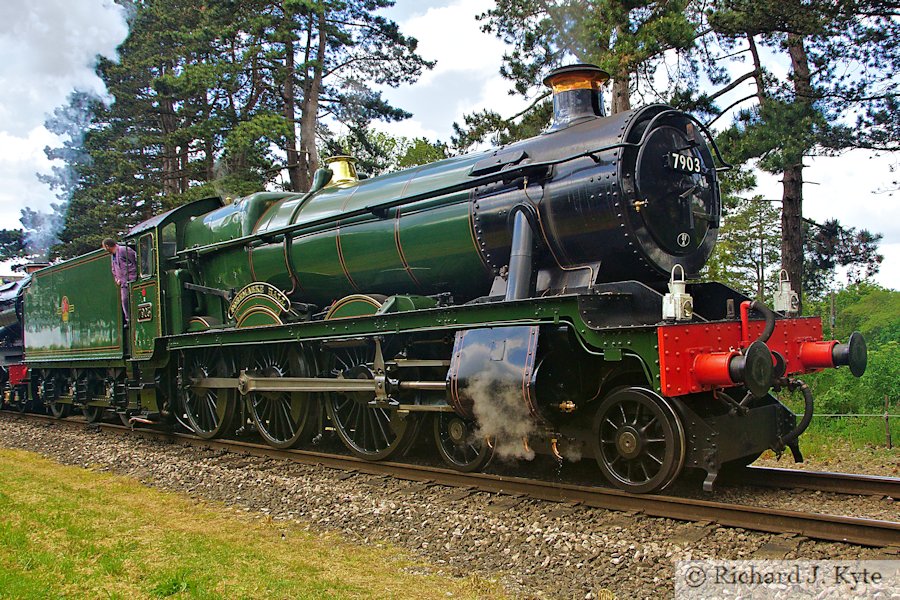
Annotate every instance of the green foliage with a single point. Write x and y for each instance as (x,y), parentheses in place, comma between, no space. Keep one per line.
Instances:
(488,126)
(208,96)
(870,309)
(254,138)
(377,152)
(780,134)
(746,255)
(628,39)
(829,245)
(420,151)
(875,312)
(623,38)
(12,244)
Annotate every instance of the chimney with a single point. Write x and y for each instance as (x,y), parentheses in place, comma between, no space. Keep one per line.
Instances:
(576,94)
(34,266)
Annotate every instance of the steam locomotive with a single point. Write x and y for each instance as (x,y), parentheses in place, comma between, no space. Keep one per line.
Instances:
(541,297)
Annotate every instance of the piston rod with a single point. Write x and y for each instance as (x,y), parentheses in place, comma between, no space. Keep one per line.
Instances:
(246,384)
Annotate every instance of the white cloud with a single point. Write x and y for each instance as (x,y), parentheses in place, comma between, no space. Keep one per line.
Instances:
(49,49)
(20,159)
(451,35)
(466,77)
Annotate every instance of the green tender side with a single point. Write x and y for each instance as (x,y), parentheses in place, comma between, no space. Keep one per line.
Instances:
(424,248)
(73,311)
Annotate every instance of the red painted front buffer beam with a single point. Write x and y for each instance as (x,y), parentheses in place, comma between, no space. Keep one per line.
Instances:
(698,357)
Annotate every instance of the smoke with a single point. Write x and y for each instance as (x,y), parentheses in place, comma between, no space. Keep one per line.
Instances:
(50,50)
(498,406)
(571,451)
(501,415)
(41,230)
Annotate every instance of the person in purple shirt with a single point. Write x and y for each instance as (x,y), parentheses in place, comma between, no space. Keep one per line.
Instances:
(124,269)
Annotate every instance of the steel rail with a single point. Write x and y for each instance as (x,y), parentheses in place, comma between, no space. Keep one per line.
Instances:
(854,530)
(823,481)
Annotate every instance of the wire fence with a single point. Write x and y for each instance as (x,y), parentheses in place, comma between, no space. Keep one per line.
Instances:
(886,415)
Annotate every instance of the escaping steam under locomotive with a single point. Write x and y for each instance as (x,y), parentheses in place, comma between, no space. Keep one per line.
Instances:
(542,297)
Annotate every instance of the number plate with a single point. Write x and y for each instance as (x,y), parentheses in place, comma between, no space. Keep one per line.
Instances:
(684,163)
(145,312)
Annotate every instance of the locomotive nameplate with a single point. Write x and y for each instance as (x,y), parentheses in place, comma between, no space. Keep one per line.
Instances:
(259,290)
(144,312)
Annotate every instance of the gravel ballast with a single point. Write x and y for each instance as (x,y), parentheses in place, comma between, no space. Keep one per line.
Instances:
(536,549)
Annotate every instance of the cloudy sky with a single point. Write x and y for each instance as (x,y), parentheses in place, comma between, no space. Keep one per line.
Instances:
(49,47)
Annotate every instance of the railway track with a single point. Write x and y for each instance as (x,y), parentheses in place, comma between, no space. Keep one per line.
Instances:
(823,481)
(867,532)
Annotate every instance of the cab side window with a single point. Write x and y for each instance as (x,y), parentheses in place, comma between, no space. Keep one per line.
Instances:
(146,257)
(169,242)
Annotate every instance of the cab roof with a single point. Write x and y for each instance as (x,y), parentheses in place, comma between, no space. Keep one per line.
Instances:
(179,213)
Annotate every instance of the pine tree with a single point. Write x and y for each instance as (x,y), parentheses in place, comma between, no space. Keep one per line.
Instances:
(628,39)
(325,57)
(747,253)
(843,63)
(206,95)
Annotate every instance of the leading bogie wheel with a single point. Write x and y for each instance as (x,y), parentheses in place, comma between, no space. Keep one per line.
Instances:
(638,440)
(283,419)
(459,444)
(208,411)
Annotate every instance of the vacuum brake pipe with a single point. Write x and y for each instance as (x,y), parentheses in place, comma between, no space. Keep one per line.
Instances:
(794,384)
(768,330)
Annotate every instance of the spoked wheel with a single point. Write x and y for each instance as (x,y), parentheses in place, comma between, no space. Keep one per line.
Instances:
(208,411)
(639,440)
(92,414)
(49,391)
(283,419)
(458,443)
(60,410)
(370,432)
(18,399)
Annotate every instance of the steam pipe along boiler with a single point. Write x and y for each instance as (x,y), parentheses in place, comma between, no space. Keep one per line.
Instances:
(539,297)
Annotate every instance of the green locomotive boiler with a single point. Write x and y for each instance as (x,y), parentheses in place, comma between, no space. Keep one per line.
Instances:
(539,297)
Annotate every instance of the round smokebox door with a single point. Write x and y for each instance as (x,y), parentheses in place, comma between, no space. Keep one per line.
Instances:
(675,189)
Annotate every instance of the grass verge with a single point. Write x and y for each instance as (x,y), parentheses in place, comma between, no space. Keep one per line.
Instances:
(68,532)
